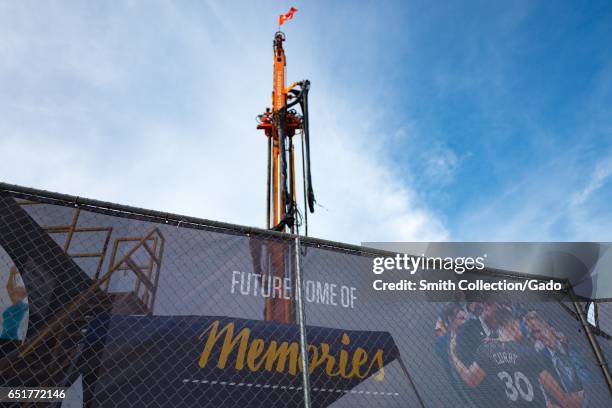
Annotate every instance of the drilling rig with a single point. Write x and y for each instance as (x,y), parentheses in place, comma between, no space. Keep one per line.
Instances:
(281,124)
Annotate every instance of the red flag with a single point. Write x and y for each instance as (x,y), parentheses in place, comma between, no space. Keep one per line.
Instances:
(285,17)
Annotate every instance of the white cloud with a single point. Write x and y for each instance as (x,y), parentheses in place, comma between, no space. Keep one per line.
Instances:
(441,164)
(365,198)
(599,176)
(556,201)
(154,107)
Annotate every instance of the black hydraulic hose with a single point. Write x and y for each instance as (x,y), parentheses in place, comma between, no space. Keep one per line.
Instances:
(299,94)
(304,106)
(283,151)
(293,206)
(304,184)
(301,97)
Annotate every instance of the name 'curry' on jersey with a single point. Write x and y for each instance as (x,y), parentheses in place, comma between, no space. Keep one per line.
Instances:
(512,372)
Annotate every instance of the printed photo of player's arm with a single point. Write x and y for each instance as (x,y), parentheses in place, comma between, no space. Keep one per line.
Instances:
(473,375)
(465,340)
(451,318)
(516,367)
(13,315)
(565,400)
(558,356)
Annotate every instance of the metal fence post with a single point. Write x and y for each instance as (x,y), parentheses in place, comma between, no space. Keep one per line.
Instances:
(601,361)
(301,318)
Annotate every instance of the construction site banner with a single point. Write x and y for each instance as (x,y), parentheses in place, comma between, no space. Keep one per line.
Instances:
(197,360)
(135,308)
(464,347)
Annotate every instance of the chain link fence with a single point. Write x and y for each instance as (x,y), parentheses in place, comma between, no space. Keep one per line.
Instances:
(128,307)
(600,317)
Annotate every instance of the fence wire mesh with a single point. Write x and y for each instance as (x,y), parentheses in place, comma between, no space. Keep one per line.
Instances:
(550,338)
(133,308)
(600,316)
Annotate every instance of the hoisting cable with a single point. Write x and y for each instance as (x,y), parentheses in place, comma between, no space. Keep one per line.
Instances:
(288,205)
(304,105)
(304,185)
(268,184)
(290,217)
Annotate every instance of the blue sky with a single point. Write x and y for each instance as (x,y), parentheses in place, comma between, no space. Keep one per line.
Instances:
(430,121)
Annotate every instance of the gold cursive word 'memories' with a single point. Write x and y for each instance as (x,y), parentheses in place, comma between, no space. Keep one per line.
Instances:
(257,354)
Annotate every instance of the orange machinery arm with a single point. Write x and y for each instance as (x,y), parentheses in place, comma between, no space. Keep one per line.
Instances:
(279,126)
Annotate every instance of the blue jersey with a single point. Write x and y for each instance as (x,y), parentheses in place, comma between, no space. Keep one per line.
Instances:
(565,367)
(512,374)
(12,317)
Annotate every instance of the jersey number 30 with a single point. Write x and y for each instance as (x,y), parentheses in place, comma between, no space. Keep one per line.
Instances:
(516,386)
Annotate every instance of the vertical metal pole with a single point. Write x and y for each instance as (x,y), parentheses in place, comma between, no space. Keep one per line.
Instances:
(268,183)
(299,296)
(407,374)
(592,340)
(292,183)
(283,167)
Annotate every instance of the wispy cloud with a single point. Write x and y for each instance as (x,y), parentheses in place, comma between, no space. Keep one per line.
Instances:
(505,135)
(556,201)
(441,164)
(154,106)
(599,176)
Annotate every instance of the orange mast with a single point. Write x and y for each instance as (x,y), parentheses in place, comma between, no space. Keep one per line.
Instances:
(280,125)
